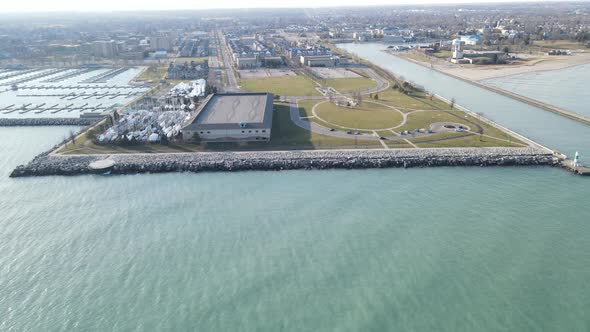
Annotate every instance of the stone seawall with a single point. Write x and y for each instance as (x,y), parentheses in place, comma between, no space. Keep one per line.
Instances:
(4,122)
(48,164)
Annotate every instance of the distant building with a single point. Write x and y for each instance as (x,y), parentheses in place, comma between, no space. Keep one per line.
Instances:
(425,50)
(160,55)
(457,51)
(393,39)
(471,40)
(469,56)
(105,49)
(318,60)
(246,62)
(238,117)
(161,43)
(187,71)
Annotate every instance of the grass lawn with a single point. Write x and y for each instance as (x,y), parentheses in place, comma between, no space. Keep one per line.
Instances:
(366,116)
(398,144)
(420,120)
(443,54)
(152,73)
(412,56)
(282,86)
(348,85)
(559,44)
(305,107)
(285,135)
(435,103)
(385,133)
(329,125)
(452,139)
(359,72)
(406,103)
(195,59)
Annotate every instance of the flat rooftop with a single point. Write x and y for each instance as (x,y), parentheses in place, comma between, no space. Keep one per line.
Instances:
(233,109)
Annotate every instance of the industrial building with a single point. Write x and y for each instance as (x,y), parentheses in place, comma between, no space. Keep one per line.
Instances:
(318,60)
(161,43)
(105,48)
(236,117)
(244,62)
(249,53)
(467,56)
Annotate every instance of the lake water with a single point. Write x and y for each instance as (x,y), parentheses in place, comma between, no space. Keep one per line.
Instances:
(434,249)
(564,88)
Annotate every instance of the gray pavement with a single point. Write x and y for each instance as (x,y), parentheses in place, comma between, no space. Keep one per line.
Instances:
(227,64)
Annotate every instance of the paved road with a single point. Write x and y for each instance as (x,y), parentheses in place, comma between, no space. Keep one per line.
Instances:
(382,83)
(227,63)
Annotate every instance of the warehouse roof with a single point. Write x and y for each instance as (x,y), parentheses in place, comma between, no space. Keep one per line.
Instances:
(235,110)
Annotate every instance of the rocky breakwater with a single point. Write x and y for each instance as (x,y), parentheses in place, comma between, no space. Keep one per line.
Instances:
(13,122)
(48,164)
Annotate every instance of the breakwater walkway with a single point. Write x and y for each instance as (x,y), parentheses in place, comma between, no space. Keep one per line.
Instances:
(14,122)
(51,164)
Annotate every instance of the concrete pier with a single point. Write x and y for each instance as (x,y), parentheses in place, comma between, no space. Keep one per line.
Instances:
(579,170)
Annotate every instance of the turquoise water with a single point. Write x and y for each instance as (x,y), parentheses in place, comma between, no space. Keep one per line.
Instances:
(434,249)
(565,88)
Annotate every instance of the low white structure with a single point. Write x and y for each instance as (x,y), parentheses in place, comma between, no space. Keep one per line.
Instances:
(317,60)
(457,48)
(146,126)
(191,89)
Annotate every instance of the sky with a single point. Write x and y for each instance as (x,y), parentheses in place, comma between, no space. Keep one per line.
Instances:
(121,5)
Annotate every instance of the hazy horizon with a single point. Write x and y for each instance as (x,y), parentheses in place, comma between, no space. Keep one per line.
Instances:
(136,5)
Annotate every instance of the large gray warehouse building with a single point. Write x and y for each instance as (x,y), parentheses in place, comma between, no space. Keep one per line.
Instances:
(235,117)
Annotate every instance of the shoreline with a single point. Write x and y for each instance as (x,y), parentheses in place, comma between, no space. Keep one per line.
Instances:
(47,164)
(521,98)
(540,70)
(489,72)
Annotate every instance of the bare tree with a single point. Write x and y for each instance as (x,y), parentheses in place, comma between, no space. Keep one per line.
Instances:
(72,137)
(452,103)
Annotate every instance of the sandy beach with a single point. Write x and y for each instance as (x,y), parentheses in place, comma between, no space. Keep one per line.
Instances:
(485,72)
